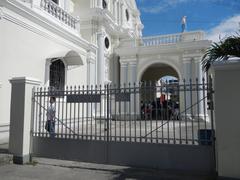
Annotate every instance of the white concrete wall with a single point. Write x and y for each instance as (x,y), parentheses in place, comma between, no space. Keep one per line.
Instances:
(227,119)
(23,52)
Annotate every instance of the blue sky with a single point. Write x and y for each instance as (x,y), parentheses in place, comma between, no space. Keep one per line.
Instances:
(215,17)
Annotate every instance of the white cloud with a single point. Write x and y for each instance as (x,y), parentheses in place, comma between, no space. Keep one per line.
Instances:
(162,5)
(227,27)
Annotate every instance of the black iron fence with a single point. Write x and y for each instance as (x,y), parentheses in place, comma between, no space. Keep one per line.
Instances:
(164,112)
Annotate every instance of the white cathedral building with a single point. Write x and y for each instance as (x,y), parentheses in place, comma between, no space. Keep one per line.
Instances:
(85,42)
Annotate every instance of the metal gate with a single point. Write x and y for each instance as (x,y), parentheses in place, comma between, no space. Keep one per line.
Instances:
(151,124)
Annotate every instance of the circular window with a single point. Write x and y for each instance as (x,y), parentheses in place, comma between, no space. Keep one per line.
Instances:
(127,15)
(104,4)
(107,42)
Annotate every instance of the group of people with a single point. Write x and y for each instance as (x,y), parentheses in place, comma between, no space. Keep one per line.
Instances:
(166,110)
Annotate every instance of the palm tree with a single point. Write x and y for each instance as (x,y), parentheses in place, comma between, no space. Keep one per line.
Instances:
(222,51)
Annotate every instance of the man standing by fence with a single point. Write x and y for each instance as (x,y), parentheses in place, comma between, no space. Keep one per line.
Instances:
(51,111)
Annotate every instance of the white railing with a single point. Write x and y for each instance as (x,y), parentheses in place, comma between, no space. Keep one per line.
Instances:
(158,40)
(172,38)
(53,9)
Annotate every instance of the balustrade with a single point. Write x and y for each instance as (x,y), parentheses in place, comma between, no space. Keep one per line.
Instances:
(56,11)
(172,38)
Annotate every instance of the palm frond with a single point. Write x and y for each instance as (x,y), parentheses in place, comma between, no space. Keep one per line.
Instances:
(221,51)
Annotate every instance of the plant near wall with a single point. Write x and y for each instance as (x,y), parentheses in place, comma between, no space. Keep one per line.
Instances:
(221,51)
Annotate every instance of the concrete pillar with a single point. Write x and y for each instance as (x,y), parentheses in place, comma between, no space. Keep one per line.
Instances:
(185,97)
(99,3)
(135,101)
(118,13)
(101,58)
(199,75)
(20,118)
(121,14)
(132,74)
(115,10)
(226,102)
(123,72)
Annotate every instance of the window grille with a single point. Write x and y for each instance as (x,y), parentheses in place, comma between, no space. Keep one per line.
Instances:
(57,75)
(55,1)
(104,4)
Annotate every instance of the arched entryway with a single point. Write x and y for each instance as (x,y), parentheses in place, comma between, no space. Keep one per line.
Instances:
(159,90)
(156,75)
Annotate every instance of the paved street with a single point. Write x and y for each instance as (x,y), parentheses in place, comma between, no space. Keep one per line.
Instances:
(46,169)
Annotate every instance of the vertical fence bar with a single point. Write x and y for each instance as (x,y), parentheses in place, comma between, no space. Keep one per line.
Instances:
(130,113)
(96,92)
(204,105)
(43,108)
(100,108)
(192,116)
(83,114)
(115,109)
(174,116)
(36,111)
(162,111)
(168,115)
(66,114)
(180,118)
(108,106)
(199,101)
(156,109)
(40,112)
(70,114)
(142,109)
(110,111)
(58,116)
(78,124)
(120,111)
(125,112)
(74,113)
(150,109)
(91,131)
(87,113)
(145,110)
(186,108)
(134,106)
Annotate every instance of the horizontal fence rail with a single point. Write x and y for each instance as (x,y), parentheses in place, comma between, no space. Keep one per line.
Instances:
(146,112)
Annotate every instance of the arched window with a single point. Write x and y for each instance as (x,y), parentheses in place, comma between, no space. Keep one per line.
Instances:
(57,75)
(127,14)
(104,4)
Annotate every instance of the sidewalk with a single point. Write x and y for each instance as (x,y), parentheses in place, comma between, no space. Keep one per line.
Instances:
(42,169)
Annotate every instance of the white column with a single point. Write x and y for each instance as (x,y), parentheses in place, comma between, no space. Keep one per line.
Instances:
(132,73)
(135,102)
(99,3)
(114,9)
(100,59)
(118,12)
(185,97)
(123,72)
(121,14)
(20,118)
(199,75)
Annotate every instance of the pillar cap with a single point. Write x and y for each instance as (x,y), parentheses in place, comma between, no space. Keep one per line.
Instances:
(25,80)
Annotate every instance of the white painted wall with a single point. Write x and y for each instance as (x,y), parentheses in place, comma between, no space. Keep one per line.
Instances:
(24,53)
(227,119)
